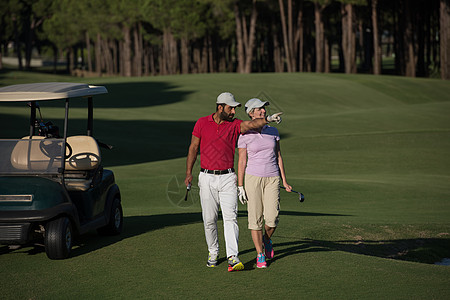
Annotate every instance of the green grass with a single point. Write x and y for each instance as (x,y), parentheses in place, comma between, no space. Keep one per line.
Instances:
(370,153)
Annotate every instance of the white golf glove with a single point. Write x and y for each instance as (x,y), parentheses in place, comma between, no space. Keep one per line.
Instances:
(274,118)
(241,195)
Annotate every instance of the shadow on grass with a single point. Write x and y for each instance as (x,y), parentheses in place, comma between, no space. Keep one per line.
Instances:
(138,225)
(421,250)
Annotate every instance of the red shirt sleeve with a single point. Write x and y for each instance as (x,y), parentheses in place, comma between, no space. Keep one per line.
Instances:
(198,128)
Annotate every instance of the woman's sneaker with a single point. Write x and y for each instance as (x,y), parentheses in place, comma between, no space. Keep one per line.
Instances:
(261,261)
(268,248)
(234,264)
(212,260)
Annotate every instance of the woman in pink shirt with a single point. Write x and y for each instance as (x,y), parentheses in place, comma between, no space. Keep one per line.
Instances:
(260,159)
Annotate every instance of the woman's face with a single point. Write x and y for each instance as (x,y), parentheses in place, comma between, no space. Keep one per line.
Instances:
(258,113)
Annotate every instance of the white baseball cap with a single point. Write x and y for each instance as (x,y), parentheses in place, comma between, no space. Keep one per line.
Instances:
(254,103)
(227,98)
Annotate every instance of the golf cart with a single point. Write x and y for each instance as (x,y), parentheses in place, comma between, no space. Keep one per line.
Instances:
(54,187)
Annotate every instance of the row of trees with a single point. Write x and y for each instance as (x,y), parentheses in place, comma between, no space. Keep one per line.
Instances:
(143,37)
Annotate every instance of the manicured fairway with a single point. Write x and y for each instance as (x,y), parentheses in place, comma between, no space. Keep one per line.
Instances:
(370,153)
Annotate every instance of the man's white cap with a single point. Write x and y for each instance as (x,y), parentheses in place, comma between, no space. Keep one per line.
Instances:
(254,103)
(227,98)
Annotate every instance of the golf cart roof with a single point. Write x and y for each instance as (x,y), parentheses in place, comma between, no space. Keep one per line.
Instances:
(48,91)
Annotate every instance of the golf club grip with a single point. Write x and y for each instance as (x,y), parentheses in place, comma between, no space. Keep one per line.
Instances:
(188,188)
(291,190)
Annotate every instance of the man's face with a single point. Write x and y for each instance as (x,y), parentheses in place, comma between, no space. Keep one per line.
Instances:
(227,113)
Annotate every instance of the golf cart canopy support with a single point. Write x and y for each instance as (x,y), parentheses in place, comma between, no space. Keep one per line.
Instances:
(45,91)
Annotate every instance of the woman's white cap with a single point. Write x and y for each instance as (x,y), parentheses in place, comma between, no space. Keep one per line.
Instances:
(254,103)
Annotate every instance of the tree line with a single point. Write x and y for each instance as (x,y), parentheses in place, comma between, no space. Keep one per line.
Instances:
(160,37)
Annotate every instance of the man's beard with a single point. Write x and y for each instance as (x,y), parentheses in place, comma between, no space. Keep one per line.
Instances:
(226,117)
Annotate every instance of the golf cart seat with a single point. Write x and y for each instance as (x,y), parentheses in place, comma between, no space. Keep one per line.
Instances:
(37,155)
(82,162)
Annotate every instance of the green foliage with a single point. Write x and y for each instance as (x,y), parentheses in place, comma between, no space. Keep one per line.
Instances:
(62,28)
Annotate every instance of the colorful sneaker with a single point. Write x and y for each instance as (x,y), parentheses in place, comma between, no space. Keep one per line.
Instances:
(234,264)
(268,248)
(261,261)
(212,260)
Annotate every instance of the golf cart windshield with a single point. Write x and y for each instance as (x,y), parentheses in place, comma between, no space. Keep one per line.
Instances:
(37,156)
(44,154)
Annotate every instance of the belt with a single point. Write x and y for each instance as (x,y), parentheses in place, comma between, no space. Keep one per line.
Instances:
(217,172)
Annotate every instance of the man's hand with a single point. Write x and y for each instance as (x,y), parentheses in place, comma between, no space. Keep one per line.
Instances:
(188,180)
(241,195)
(274,118)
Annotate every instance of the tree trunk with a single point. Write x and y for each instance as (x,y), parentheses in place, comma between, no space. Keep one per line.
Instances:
(398,40)
(205,56)
(245,38)
(361,51)
(17,42)
(152,61)
(348,38)
(420,29)
(286,36)
(318,9)
(212,68)
(445,39)
(88,51)
(299,38)
(98,55)
(184,56)
(239,40)
(327,57)
(137,59)
(409,42)
(170,53)
(55,58)
(145,58)
(126,52)
(70,56)
(277,55)
(29,27)
(107,57)
(250,42)
(115,56)
(376,40)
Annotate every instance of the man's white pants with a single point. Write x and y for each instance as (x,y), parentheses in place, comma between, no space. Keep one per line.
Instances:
(215,191)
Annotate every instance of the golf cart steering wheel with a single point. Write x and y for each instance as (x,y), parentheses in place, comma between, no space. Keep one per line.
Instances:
(84,159)
(68,147)
(51,150)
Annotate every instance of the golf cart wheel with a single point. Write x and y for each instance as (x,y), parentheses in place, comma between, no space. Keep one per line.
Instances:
(114,227)
(58,238)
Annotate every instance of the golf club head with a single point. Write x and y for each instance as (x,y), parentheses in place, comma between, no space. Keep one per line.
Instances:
(301,197)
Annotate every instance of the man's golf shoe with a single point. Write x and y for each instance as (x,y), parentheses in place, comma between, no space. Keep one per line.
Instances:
(234,264)
(212,260)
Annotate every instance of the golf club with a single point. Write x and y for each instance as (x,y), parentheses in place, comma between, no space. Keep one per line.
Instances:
(301,198)
(188,188)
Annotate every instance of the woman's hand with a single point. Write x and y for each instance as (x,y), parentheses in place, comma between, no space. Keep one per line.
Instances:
(287,187)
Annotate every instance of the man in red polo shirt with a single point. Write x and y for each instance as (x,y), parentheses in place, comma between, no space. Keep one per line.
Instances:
(216,135)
